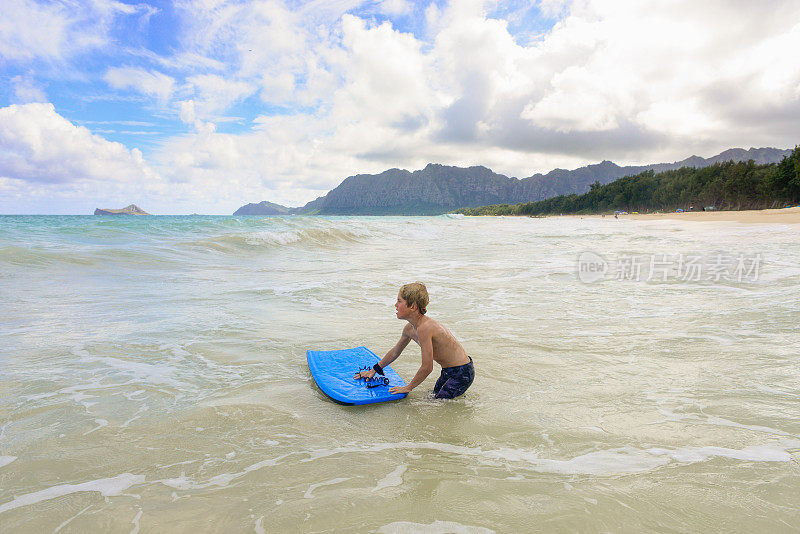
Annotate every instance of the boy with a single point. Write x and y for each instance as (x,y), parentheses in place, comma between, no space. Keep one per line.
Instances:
(436,342)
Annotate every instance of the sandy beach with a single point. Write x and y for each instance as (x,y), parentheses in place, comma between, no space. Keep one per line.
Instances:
(781,216)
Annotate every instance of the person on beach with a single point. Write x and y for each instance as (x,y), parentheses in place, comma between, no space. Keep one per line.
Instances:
(437,344)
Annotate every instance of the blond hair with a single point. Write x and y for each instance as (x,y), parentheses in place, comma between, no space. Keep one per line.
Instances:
(415,293)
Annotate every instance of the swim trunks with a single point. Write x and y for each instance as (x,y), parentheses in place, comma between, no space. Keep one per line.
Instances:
(454,381)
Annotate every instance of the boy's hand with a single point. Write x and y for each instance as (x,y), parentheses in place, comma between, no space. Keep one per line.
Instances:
(365,374)
(400,389)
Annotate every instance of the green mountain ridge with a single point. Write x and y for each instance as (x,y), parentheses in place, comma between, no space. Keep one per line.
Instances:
(723,185)
(438,189)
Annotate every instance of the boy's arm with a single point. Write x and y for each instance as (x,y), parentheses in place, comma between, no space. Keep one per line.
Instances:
(395,351)
(390,356)
(426,344)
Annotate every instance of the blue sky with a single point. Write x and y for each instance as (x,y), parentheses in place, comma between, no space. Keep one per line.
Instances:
(202,106)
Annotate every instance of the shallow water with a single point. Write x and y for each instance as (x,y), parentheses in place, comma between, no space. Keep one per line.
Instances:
(153,376)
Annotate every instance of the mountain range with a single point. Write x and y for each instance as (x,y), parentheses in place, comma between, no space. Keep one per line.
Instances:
(438,189)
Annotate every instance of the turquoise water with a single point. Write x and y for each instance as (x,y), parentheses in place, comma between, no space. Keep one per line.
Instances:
(154,376)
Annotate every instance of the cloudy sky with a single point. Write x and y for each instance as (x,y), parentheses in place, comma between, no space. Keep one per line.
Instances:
(203,106)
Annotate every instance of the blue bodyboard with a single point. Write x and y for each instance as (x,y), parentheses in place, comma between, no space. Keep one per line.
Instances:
(333,372)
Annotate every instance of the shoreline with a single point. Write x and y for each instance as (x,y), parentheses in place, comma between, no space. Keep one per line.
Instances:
(769,216)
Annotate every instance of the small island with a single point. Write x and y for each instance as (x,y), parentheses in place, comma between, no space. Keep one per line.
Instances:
(133,209)
(264,208)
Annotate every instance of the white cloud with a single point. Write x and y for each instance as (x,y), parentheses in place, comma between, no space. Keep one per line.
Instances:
(40,146)
(378,91)
(433,16)
(615,79)
(313,152)
(150,83)
(26,90)
(29,30)
(56,31)
(286,53)
(217,93)
(188,115)
(552,8)
(396,7)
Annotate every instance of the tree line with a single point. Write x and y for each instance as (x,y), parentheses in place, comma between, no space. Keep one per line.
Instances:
(723,186)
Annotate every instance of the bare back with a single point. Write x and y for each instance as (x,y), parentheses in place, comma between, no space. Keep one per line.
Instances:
(447,351)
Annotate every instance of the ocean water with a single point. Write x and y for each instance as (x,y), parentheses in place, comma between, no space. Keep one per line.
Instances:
(632,376)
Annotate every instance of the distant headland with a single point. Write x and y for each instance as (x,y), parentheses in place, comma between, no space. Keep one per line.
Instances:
(133,209)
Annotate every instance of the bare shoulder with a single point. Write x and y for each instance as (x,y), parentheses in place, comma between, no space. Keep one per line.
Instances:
(408,330)
(430,327)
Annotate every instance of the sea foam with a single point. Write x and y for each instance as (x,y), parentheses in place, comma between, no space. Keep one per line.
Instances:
(107,487)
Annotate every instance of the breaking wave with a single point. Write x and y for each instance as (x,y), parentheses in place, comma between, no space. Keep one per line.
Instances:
(87,241)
